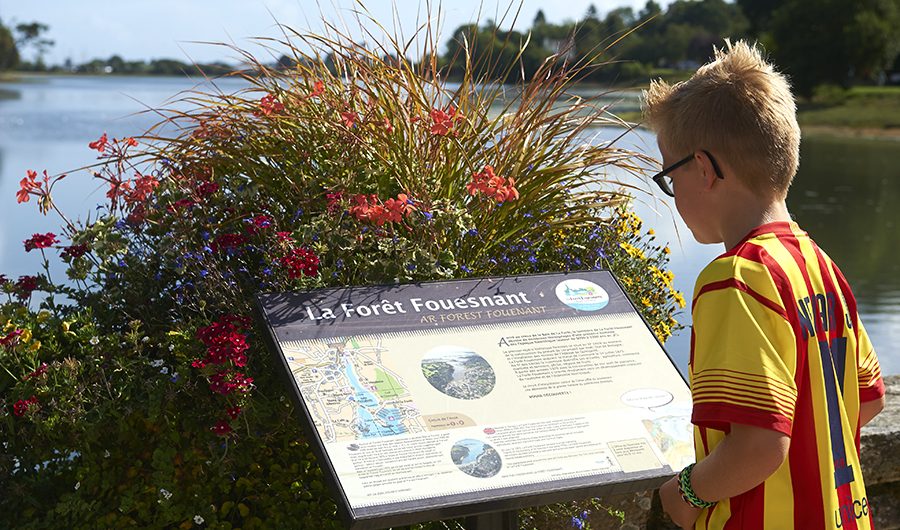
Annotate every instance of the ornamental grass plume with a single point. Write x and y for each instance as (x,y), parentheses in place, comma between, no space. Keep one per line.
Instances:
(353,165)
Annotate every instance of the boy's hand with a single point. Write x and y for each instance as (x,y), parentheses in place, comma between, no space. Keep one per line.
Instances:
(682,513)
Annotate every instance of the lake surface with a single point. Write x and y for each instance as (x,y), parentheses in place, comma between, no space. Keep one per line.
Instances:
(846,195)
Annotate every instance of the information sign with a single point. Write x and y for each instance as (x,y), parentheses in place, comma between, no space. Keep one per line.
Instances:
(443,399)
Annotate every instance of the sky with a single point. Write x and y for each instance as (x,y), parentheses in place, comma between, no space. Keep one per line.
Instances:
(153,29)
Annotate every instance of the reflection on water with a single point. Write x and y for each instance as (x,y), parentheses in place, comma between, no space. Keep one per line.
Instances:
(846,195)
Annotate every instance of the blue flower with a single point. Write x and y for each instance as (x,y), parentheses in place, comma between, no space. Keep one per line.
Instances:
(121,263)
(428,215)
(577,523)
(472,232)
(204,235)
(204,273)
(465,269)
(339,263)
(411,267)
(121,224)
(267,271)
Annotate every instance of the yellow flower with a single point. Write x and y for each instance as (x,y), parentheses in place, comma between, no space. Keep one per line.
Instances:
(667,250)
(42,316)
(35,346)
(25,337)
(678,299)
(646,301)
(651,232)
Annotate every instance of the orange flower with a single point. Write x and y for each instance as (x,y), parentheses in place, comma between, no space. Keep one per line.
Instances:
(349,119)
(318,89)
(443,121)
(493,186)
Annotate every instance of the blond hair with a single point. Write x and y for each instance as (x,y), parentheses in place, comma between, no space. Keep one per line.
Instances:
(737,107)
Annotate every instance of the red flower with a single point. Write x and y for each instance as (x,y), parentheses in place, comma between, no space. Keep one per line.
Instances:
(74,251)
(233,412)
(100,144)
(284,237)
(495,187)
(387,126)
(37,373)
(334,201)
(349,119)
(22,406)
(258,222)
(318,89)
(268,105)
(226,382)
(181,204)
(221,428)
(442,121)
(130,141)
(301,262)
(206,188)
(223,341)
(25,285)
(40,241)
(11,337)
(228,242)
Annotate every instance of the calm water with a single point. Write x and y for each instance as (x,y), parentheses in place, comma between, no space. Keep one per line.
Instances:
(846,195)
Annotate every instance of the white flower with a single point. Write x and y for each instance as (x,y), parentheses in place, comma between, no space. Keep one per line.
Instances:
(77,484)
(106,454)
(95,340)
(165,493)
(145,339)
(198,519)
(171,347)
(164,370)
(156,363)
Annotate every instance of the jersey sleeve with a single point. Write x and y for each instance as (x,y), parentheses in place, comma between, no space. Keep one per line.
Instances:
(871,384)
(744,352)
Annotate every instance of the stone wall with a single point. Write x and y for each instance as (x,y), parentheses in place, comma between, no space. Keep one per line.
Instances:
(880,450)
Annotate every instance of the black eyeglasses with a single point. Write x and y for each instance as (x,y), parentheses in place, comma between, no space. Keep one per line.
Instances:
(664,181)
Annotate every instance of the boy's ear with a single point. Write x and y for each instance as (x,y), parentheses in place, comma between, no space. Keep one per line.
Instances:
(706,168)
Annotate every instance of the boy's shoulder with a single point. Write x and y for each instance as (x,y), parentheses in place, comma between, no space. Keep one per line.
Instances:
(756,266)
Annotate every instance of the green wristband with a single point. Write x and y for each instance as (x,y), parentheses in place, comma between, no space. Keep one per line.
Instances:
(687,492)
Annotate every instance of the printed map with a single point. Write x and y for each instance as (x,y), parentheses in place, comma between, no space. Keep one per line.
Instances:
(350,392)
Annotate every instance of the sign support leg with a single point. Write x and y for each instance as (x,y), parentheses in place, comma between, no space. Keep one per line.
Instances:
(508,520)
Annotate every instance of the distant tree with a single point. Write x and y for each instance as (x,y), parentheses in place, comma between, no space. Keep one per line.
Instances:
(834,41)
(759,13)
(651,9)
(539,18)
(592,13)
(30,35)
(9,53)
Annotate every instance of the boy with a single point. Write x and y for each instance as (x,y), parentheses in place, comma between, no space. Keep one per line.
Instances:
(782,373)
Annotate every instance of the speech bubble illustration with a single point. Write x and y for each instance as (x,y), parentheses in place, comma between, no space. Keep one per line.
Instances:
(647,398)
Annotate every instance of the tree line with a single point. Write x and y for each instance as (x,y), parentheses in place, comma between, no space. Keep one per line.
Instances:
(816,42)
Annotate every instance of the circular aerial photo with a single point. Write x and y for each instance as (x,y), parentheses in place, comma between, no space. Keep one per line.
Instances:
(458,372)
(476,458)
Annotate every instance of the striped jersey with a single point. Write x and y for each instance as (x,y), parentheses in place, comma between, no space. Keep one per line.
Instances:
(777,343)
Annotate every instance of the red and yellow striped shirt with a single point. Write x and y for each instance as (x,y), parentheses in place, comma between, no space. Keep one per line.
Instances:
(777,343)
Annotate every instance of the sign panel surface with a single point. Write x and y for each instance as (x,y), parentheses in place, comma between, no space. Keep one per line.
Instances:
(424,396)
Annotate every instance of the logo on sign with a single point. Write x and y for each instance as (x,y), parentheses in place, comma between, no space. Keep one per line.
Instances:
(582,295)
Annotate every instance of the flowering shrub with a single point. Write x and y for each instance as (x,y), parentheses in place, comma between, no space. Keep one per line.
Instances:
(138,393)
